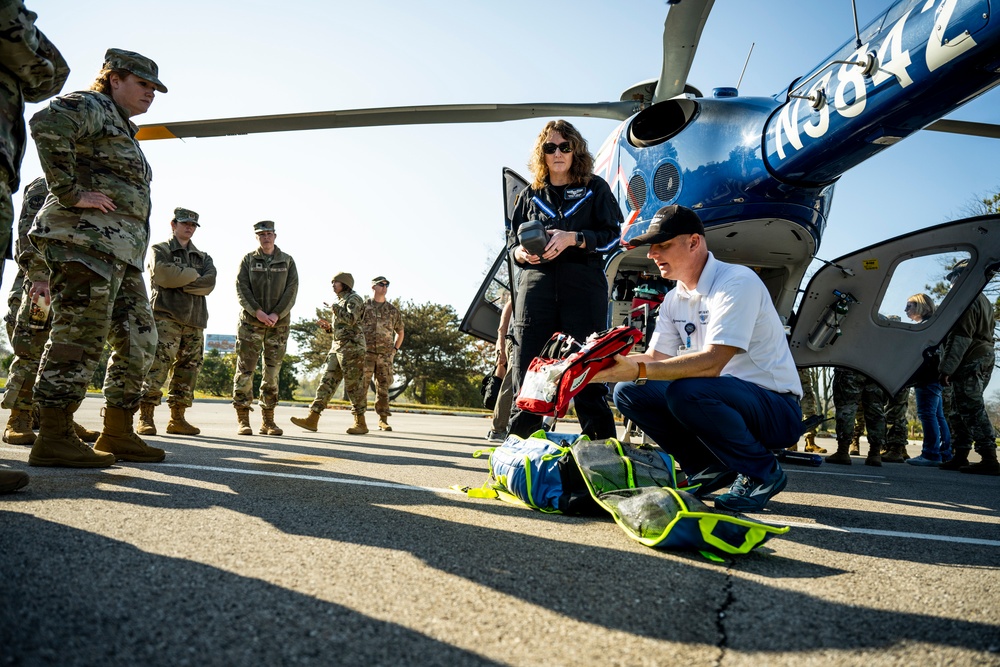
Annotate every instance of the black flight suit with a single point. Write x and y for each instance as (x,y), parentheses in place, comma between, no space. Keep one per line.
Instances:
(568,294)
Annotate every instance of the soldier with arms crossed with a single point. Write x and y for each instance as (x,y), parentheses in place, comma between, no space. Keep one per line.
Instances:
(181,277)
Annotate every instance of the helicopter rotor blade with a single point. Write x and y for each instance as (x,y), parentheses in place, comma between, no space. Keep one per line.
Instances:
(418,115)
(966,127)
(681,34)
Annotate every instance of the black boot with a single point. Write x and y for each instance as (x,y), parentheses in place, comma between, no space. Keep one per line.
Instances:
(988,466)
(961,458)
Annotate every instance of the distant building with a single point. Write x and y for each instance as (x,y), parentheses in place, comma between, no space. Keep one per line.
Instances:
(224,343)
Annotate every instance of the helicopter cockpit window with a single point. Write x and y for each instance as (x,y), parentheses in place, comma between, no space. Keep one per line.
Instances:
(920,275)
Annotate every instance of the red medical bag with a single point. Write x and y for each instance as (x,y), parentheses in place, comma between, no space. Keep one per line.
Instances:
(564,367)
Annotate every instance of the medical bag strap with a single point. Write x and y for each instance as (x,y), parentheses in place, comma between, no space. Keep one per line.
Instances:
(707,524)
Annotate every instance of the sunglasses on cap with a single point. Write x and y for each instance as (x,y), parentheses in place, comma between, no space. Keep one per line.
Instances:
(549,148)
(383,284)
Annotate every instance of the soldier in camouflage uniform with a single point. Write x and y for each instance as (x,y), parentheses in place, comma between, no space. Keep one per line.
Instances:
(967,365)
(266,287)
(383,326)
(181,277)
(31,69)
(93,231)
(897,428)
(346,360)
(809,408)
(852,389)
(28,337)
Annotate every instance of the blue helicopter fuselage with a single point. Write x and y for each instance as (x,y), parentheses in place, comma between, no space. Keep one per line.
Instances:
(737,159)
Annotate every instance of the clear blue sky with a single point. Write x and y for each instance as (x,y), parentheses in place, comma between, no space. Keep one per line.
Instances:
(422,204)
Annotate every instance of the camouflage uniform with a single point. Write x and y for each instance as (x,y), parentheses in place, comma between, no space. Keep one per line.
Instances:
(852,390)
(31,69)
(269,283)
(897,427)
(809,408)
(967,360)
(382,324)
(28,342)
(86,143)
(346,360)
(181,278)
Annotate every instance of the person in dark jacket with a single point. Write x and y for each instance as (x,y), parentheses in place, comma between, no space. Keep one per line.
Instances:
(562,286)
(967,365)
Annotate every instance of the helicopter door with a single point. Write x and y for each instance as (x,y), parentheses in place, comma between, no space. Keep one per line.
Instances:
(483,317)
(852,312)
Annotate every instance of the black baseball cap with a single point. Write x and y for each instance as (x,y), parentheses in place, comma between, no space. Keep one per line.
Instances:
(668,222)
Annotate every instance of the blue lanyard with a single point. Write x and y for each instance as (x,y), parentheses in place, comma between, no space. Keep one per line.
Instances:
(555,214)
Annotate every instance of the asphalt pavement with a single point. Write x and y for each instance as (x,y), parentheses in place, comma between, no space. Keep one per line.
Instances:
(329,549)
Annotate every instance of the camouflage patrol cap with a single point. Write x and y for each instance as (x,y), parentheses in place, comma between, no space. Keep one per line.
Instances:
(185,215)
(138,64)
(380,279)
(263,226)
(344,277)
(957,270)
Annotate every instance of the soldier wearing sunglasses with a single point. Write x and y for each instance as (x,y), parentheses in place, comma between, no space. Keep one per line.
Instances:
(563,289)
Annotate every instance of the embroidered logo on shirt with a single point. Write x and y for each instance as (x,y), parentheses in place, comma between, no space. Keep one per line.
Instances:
(574,193)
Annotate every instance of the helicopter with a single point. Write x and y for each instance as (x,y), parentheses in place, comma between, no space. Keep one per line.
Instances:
(761,171)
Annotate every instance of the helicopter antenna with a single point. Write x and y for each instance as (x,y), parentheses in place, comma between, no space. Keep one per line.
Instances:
(745,66)
(857,31)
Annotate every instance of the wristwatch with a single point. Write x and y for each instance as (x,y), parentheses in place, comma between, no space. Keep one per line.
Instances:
(641,378)
(580,239)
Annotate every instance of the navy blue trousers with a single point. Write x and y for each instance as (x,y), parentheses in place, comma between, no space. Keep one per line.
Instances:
(708,422)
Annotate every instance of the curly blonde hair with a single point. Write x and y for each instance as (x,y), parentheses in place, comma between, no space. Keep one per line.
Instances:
(582,168)
(922,305)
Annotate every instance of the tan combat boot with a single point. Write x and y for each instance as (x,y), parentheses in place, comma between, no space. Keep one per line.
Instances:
(267,425)
(85,433)
(178,425)
(359,428)
(119,439)
(18,431)
(855,448)
(243,417)
(811,445)
(146,425)
(383,424)
(874,456)
(895,454)
(58,445)
(12,480)
(841,456)
(310,423)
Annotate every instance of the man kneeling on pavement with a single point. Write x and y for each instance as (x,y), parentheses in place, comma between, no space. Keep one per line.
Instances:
(718,389)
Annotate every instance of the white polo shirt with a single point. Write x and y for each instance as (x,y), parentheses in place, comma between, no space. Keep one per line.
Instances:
(730,306)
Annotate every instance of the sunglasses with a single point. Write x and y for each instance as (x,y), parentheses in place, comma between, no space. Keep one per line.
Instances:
(549,148)
(382,284)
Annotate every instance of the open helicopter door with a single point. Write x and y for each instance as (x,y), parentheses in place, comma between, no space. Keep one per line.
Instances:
(852,312)
(483,317)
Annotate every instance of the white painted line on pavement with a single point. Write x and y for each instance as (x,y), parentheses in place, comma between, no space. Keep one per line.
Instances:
(890,533)
(408,487)
(312,478)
